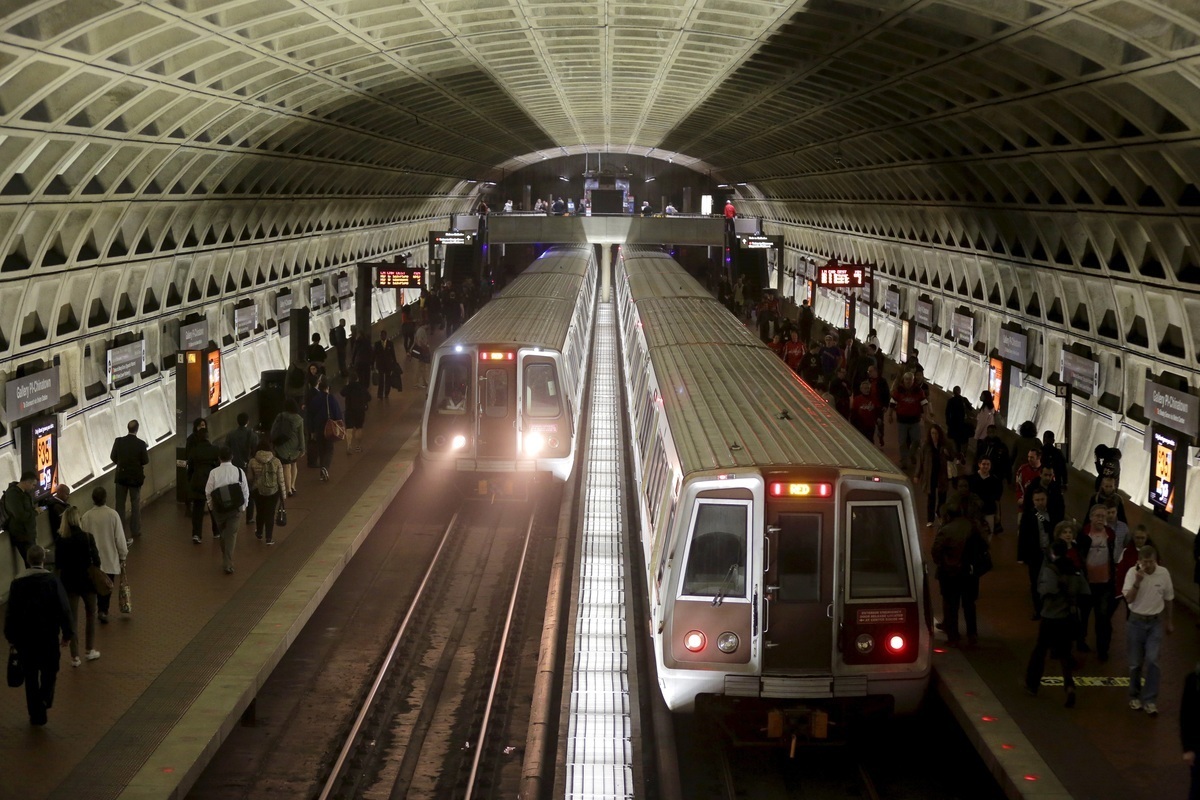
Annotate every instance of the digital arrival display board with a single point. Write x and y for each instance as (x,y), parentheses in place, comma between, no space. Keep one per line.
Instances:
(842,277)
(399,277)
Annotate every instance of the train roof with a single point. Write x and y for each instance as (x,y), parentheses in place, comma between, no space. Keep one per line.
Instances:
(563,259)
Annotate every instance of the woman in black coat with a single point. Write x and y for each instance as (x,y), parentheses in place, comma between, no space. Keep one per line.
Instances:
(74,554)
(358,397)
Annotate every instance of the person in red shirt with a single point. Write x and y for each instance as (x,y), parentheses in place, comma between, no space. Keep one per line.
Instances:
(1096,547)
(908,407)
(793,350)
(1027,473)
(730,213)
(776,345)
(865,411)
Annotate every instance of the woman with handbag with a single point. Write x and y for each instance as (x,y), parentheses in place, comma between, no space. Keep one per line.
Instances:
(326,422)
(936,465)
(287,438)
(358,397)
(77,561)
(265,474)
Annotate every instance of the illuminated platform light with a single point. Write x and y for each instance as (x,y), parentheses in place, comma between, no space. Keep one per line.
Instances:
(989,718)
(1030,777)
(1008,747)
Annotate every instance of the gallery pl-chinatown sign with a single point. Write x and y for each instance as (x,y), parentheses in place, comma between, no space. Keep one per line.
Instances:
(1172,408)
(29,394)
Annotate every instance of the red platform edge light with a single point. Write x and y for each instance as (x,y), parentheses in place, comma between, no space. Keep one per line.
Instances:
(989,718)
(1008,747)
(1031,777)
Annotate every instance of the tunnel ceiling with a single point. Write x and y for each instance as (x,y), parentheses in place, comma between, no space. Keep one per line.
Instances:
(953,141)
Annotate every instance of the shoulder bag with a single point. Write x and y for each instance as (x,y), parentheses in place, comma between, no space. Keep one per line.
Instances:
(100,581)
(281,514)
(335,429)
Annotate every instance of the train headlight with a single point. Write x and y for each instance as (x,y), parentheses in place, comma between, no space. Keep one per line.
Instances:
(864,644)
(728,642)
(534,444)
(458,442)
(896,643)
(694,641)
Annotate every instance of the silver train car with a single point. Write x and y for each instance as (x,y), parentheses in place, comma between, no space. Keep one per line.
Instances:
(781,549)
(506,387)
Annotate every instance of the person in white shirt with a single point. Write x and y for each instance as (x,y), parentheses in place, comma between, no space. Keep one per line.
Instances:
(104,524)
(508,206)
(1150,595)
(228,520)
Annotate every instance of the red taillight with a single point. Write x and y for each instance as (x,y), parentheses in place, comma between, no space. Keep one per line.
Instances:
(694,641)
(896,643)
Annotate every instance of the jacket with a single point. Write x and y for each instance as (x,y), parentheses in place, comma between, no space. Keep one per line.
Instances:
(287,436)
(104,523)
(37,614)
(131,455)
(1084,544)
(322,406)
(949,550)
(1061,585)
(241,442)
(202,457)
(22,516)
(1034,537)
(932,465)
(258,465)
(73,555)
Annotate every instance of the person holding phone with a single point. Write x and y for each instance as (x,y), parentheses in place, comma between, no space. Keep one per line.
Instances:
(1150,595)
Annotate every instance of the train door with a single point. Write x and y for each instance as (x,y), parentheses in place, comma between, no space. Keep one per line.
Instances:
(798,630)
(497,423)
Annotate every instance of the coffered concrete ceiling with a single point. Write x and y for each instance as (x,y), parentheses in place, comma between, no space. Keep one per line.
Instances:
(1038,159)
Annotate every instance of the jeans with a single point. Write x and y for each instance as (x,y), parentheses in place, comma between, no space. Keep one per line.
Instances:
(937,498)
(959,590)
(132,522)
(1143,640)
(910,440)
(266,514)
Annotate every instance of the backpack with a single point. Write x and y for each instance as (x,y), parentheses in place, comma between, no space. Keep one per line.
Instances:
(228,498)
(268,479)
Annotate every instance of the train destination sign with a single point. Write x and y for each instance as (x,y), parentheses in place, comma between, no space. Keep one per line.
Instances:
(842,277)
(399,277)
(452,238)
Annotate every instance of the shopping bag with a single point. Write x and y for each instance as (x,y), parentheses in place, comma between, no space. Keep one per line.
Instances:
(126,594)
(281,514)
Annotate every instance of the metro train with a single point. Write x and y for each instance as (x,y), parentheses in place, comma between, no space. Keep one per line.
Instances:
(786,588)
(506,386)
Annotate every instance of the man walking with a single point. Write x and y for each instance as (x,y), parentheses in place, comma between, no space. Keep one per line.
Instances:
(241,441)
(36,617)
(1150,595)
(104,524)
(227,492)
(22,516)
(131,455)
(337,337)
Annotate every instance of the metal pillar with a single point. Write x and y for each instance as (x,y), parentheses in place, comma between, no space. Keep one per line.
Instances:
(605,272)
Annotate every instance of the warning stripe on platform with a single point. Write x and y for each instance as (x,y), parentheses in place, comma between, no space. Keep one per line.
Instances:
(1087,680)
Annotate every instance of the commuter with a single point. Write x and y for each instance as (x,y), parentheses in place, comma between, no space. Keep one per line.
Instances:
(1027,439)
(993,448)
(1053,457)
(241,441)
(34,619)
(958,415)
(226,493)
(202,458)
(423,352)
(1056,507)
(558,208)
(508,206)
(1120,528)
(988,487)
(953,554)
(75,553)
(358,397)
(131,455)
(1099,553)
(730,214)
(805,322)
(1107,492)
(793,350)
(1034,537)
(104,524)
(322,407)
(1129,556)
(1151,595)
(839,390)
(295,385)
(1189,729)
(1068,531)
(339,340)
(1061,589)
(386,365)
(670,210)
(777,346)
(408,329)
(56,504)
(739,296)
(937,463)
(908,407)
(265,478)
(21,514)
(831,357)
(865,411)
(287,437)
(882,395)
(647,209)
(316,353)
(1028,473)
(1108,464)
(873,338)
(311,376)
(985,417)
(810,365)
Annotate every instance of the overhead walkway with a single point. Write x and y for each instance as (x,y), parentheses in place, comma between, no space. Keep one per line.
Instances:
(617,229)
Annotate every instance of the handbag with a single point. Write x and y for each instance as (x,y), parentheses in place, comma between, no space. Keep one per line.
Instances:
(281,514)
(100,581)
(126,594)
(16,675)
(374,377)
(335,429)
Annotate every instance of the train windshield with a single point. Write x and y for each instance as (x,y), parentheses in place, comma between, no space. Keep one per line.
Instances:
(451,387)
(878,564)
(716,560)
(542,398)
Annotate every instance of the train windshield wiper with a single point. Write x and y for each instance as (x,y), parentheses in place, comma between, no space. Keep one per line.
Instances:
(720,596)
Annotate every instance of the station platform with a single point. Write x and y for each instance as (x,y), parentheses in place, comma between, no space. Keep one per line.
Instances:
(1035,746)
(176,675)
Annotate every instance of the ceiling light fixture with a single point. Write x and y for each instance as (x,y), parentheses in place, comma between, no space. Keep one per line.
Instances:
(564,178)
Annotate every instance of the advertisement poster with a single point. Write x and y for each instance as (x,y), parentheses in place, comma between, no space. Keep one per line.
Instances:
(214,378)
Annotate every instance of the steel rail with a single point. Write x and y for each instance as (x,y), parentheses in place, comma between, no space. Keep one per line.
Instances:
(351,738)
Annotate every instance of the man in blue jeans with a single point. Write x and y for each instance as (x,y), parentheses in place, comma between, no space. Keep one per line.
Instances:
(1150,595)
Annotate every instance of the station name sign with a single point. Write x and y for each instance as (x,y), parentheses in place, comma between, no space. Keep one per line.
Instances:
(245,319)
(283,305)
(399,277)
(452,238)
(1172,408)
(1014,347)
(963,329)
(126,361)
(925,314)
(343,286)
(1080,372)
(891,301)
(842,277)
(193,336)
(29,394)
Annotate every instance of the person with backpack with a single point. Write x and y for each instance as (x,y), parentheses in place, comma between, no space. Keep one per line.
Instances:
(18,515)
(1062,588)
(226,494)
(266,481)
(955,553)
(131,455)
(287,437)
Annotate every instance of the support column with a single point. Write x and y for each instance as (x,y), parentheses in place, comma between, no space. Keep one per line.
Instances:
(605,272)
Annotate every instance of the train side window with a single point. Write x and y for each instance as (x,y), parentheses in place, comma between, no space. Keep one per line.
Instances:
(716,559)
(799,560)
(496,399)
(542,399)
(878,557)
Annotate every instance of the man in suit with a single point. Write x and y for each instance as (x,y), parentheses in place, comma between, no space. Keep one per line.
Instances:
(131,455)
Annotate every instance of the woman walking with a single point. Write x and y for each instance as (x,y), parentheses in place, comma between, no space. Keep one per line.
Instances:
(287,437)
(323,408)
(358,397)
(265,473)
(1062,587)
(75,554)
(938,458)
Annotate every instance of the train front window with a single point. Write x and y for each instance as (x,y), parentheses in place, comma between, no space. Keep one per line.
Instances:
(799,560)
(542,397)
(716,559)
(451,386)
(496,402)
(878,560)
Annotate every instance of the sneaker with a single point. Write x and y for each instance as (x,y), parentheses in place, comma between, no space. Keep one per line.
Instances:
(196,539)
(1151,709)
(270,542)
(92,655)
(75,662)
(324,474)
(1136,704)
(229,570)
(103,618)
(258,534)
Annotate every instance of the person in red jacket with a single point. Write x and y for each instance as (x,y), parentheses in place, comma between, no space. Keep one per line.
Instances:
(793,350)
(865,411)
(1027,473)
